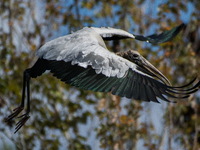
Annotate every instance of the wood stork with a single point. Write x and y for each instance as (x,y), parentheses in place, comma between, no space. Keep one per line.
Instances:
(82,60)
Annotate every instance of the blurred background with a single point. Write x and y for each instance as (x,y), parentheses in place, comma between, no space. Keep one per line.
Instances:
(64,117)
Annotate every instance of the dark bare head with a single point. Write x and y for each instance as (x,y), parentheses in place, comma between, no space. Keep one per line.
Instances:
(136,58)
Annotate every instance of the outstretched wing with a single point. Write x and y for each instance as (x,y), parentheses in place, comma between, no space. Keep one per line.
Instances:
(133,84)
(117,34)
(161,38)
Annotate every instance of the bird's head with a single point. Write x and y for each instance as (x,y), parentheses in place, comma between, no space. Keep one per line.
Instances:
(145,65)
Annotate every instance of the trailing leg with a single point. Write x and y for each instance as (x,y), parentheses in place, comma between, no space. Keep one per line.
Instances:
(21,107)
(38,69)
(25,116)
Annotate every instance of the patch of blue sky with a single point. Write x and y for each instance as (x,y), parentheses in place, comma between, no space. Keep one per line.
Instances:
(186,16)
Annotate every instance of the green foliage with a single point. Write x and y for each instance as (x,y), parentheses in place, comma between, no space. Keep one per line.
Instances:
(57,109)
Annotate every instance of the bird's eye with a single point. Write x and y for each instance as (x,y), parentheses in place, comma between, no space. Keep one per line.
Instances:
(135,55)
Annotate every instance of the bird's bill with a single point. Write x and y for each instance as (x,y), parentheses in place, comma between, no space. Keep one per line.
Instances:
(150,68)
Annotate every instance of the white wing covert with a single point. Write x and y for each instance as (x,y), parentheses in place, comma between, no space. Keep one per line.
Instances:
(112,33)
(84,50)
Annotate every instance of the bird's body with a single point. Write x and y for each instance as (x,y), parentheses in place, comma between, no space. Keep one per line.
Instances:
(85,48)
(82,60)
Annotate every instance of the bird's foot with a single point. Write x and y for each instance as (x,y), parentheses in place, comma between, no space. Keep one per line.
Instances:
(15,113)
(22,122)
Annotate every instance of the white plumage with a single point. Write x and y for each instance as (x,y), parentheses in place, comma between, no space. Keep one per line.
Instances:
(87,48)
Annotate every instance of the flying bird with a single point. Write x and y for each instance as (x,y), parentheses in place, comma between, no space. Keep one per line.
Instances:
(82,60)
